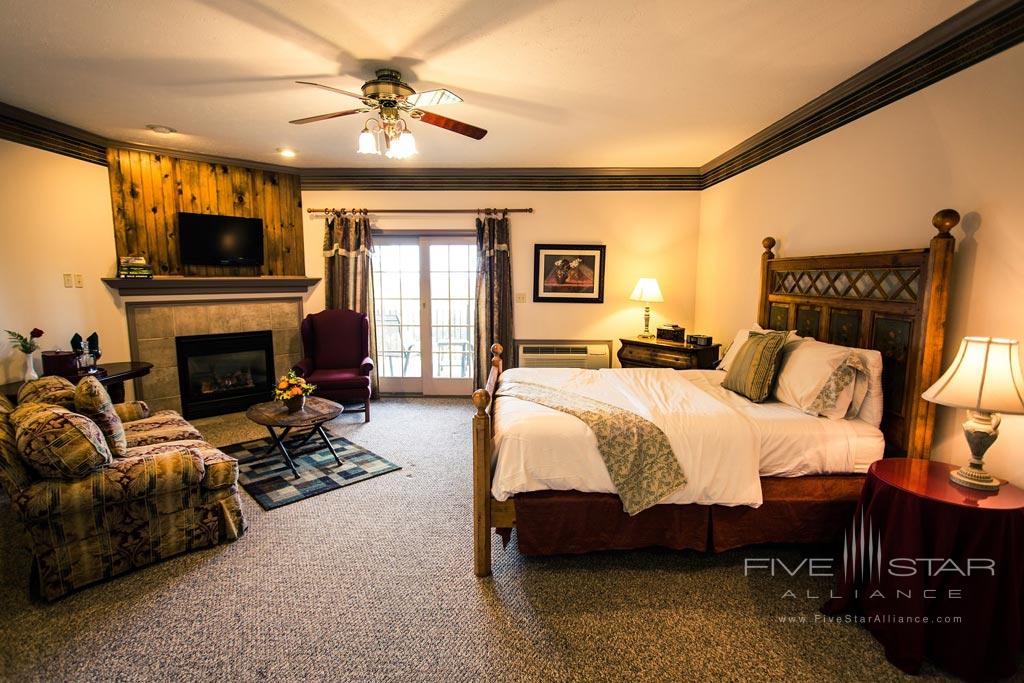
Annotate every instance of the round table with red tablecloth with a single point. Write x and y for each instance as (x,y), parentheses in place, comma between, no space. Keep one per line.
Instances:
(936,570)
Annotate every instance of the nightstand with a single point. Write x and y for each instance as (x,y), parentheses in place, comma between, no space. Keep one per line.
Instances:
(935,570)
(637,352)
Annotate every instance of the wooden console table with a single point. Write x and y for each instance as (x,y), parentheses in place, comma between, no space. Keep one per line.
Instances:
(116,374)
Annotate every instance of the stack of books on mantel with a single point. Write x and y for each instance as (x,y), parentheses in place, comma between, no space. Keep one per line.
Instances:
(134,268)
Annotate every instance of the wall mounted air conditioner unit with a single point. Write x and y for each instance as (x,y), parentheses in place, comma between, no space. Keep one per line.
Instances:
(543,353)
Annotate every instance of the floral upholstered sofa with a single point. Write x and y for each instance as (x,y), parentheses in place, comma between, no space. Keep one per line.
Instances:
(103,489)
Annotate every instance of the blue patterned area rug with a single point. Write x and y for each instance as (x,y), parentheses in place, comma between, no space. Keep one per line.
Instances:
(265,476)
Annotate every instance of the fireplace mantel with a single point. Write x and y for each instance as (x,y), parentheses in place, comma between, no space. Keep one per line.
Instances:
(210,285)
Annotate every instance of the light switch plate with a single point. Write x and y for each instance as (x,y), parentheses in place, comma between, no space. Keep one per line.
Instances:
(78,279)
(67,280)
(520,298)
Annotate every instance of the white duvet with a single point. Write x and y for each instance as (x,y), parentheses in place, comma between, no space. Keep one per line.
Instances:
(724,442)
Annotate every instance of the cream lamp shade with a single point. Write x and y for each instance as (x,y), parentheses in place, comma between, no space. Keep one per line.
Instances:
(985,377)
(646,290)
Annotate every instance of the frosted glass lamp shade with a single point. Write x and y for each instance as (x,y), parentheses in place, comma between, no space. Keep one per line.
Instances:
(368,143)
(985,376)
(646,290)
(407,144)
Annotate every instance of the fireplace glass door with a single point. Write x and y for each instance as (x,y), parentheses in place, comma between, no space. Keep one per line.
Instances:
(223,373)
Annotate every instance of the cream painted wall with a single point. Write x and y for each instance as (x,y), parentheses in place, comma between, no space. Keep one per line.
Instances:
(874,185)
(647,234)
(55,218)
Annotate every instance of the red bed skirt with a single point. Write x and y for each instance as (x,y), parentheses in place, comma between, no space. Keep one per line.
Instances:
(812,509)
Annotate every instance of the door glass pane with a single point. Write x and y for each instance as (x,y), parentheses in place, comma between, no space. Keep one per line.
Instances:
(396,282)
(452,294)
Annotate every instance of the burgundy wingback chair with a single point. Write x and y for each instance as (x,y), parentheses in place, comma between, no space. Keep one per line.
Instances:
(336,348)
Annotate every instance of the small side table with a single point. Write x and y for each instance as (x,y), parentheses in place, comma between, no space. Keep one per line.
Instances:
(926,550)
(111,375)
(274,414)
(644,352)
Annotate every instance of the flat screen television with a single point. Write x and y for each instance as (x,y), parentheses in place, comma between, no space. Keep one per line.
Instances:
(210,240)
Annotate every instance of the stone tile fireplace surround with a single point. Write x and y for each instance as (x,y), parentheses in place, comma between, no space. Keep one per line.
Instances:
(153,325)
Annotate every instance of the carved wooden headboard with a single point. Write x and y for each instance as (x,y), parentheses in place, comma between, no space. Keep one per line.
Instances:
(892,301)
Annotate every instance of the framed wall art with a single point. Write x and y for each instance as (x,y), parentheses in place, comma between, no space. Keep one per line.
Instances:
(568,273)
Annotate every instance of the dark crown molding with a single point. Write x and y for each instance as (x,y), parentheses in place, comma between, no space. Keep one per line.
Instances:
(983,30)
(38,131)
(537,179)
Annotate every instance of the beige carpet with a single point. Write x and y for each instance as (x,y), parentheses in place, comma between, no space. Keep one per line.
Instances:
(374,582)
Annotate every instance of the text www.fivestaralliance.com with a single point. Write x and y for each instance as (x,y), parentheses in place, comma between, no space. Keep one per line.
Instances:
(862,619)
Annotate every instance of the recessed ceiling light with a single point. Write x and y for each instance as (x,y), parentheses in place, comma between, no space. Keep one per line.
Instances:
(285,152)
(163,130)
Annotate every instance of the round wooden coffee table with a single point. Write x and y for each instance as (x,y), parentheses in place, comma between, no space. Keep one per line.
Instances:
(274,415)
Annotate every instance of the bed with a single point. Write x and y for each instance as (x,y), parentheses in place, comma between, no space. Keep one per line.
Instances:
(790,477)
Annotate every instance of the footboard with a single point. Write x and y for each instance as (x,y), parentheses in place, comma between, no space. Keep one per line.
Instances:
(488,513)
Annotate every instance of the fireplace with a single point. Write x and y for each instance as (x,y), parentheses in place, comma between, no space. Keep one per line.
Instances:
(224,373)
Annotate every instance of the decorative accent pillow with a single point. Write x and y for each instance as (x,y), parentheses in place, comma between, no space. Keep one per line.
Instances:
(49,389)
(734,347)
(57,443)
(867,402)
(132,411)
(742,336)
(817,378)
(93,401)
(757,361)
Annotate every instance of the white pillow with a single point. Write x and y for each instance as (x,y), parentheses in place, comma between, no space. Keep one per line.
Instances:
(817,378)
(734,348)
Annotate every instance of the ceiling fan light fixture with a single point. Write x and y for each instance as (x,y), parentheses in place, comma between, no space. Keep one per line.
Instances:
(368,142)
(388,97)
(406,145)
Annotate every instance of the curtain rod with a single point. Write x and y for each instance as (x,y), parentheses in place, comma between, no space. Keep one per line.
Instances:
(484,211)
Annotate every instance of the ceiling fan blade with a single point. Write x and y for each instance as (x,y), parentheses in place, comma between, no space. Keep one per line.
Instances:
(335,90)
(451,124)
(430,98)
(324,117)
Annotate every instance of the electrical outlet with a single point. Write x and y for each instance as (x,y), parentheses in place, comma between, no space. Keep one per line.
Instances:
(520,298)
(67,280)
(78,279)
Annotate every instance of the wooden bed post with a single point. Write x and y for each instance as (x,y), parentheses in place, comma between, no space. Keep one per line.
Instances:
(481,484)
(934,307)
(762,306)
(483,444)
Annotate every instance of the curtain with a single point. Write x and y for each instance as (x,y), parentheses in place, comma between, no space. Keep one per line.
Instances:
(493,293)
(348,270)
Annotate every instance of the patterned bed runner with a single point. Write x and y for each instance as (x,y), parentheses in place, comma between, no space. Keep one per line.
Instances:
(635,451)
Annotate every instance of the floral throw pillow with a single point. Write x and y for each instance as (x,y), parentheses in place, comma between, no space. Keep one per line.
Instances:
(57,443)
(93,401)
(839,387)
(49,389)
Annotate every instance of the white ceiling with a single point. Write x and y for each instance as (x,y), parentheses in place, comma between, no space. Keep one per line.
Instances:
(556,82)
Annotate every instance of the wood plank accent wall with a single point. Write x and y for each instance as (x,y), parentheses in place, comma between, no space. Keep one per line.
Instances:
(148,190)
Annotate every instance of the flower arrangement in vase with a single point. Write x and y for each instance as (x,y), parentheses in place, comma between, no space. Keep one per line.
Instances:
(27,345)
(292,390)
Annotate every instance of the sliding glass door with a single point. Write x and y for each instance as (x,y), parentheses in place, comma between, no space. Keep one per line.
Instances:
(424,300)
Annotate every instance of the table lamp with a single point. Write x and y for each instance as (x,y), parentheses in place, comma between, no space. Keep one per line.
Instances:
(985,378)
(647,291)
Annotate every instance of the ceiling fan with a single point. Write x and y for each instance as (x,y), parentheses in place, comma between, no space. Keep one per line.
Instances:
(389,97)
